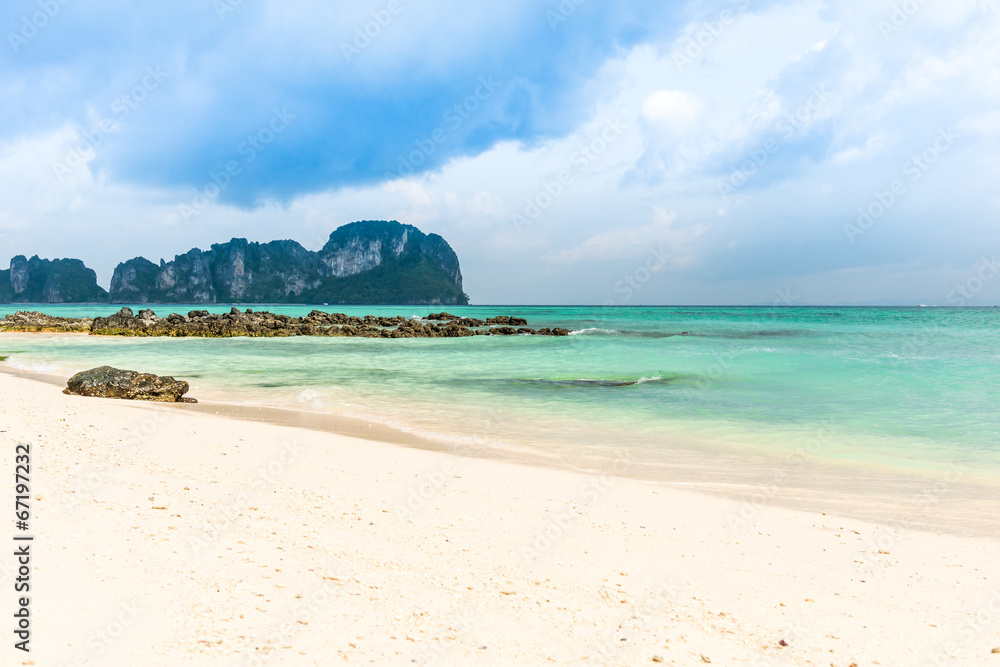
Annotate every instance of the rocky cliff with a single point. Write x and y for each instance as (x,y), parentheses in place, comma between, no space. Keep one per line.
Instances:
(369,262)
(49,281)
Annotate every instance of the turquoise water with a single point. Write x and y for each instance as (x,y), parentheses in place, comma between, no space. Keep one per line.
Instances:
(905,388)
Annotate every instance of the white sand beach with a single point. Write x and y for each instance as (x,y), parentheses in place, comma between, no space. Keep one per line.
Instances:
(164,536)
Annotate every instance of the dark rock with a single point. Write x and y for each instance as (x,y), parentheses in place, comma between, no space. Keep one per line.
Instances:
(108,382)
(125,321)
(35,321)
(147,318)
(200,323)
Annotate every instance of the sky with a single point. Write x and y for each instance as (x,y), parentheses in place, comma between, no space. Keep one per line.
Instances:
(571,151)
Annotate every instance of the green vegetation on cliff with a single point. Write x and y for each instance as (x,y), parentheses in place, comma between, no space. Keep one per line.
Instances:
(49,281)
(368,262)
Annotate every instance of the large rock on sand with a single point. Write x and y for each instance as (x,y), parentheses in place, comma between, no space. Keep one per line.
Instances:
(108,382)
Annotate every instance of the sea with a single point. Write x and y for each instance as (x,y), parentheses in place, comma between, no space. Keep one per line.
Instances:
(870,402)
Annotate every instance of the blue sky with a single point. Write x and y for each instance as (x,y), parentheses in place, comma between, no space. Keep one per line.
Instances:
(572,152)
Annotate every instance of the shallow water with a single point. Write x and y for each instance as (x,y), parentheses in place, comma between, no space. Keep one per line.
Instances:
(669,389)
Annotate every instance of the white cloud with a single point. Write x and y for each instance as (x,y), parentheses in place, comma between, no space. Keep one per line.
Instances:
(682,129)
(672,107)
(661,235)
(872,147)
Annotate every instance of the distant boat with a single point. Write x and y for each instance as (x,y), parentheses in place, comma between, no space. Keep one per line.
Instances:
(922,305)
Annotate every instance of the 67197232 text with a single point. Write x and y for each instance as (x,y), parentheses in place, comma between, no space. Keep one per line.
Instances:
(22,546)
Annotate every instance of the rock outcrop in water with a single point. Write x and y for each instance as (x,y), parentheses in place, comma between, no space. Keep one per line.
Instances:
(369,262)
(35,321)
(108,382)
(49,281)
(200,323)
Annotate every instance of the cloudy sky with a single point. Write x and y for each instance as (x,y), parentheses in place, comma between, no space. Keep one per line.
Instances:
(573,151)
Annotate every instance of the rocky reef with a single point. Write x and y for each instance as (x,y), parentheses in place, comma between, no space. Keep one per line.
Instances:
(38,322)
(200,323)
(318,323)
(108,382)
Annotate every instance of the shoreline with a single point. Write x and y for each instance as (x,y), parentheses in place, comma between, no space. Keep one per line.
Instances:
(226,542)
(945,501)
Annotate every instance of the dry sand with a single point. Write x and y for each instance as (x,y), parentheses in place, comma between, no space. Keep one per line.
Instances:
(165,536)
